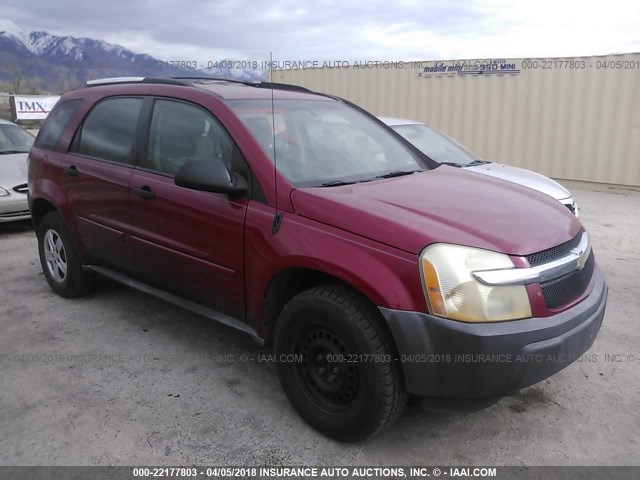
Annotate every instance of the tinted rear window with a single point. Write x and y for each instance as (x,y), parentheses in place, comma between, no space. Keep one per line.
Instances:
(58,119)
(109,131)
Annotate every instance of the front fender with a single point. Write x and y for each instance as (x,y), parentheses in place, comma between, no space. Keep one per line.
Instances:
(388,277)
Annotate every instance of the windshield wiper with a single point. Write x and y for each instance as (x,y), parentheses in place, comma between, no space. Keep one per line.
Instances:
(453,164)
(477,162)
(336,183)
(2,152)
(398,173)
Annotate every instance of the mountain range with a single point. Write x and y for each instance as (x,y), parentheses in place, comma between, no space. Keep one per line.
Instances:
(37,61)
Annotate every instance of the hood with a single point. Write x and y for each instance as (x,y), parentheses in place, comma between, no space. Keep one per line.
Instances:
(13,170)
(446,204)
(523,177)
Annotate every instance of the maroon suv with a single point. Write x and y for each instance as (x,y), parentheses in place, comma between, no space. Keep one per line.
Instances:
(302,220)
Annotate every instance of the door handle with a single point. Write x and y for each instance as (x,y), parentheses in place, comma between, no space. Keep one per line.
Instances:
(144,192)
(71,171)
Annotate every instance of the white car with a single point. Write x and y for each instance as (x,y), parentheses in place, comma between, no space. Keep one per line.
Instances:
(443,149)
(15,143)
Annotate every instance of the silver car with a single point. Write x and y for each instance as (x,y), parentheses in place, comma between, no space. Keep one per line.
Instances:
(15,143)
(443,149)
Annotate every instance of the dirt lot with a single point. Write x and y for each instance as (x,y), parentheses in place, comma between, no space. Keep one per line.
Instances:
(121,378)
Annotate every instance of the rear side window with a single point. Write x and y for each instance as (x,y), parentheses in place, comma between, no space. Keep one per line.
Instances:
(59,118)
(109,131)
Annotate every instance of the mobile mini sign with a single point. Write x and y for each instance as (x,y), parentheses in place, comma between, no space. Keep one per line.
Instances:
(471,67)
(33,107)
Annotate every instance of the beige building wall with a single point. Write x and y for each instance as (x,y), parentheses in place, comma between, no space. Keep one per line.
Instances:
(571,118)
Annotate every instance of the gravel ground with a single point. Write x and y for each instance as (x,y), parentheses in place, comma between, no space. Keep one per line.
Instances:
(119,378)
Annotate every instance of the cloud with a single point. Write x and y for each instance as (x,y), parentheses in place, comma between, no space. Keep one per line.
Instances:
(341,30)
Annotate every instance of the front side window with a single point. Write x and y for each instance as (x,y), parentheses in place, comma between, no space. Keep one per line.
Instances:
(316,142)
(109,131)
(181,132)
(436,145)
(14,139)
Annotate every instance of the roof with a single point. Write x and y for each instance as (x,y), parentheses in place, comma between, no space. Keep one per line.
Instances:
(237,91)
(394,122)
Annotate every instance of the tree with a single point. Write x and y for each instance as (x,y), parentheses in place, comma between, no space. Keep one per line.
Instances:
(15,78)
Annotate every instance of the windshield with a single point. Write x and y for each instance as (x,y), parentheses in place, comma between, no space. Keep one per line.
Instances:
(436,145)
(14,139)
(325,143)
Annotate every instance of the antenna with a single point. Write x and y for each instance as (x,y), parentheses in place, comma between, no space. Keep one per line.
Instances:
(278,217)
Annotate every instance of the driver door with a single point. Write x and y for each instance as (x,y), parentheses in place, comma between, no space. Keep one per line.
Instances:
(187,241)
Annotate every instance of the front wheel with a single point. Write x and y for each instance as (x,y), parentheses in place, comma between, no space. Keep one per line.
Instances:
(59,260)
(340,373)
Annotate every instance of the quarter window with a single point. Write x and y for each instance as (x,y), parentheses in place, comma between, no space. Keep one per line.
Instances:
(181,132)
(59,118)
(109,131)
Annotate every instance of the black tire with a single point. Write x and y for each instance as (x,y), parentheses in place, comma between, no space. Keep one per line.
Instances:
(68,282)
(357,389)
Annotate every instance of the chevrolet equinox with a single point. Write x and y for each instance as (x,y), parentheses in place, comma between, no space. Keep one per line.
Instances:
(373,272)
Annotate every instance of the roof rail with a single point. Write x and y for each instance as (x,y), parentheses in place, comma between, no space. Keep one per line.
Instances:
(116,80)
(188,81)
(283,86)
(217,79)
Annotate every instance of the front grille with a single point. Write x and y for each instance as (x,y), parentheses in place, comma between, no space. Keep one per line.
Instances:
(563,290)
(554,253)
(22,188)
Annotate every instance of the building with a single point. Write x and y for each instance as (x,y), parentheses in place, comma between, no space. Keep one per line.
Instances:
(568,118)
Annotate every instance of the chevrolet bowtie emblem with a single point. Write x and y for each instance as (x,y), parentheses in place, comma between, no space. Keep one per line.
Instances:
(582,254)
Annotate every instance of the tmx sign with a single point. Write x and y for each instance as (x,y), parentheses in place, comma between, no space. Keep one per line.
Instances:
(33,107)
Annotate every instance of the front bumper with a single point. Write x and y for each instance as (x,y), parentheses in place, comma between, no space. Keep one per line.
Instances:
(14,207)
(442,357)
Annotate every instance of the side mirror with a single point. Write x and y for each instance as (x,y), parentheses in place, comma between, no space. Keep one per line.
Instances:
(210,176)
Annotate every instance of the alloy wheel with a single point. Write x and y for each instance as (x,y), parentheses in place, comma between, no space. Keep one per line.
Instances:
(55,256)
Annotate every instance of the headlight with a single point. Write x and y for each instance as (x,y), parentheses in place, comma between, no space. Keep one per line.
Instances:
(571,204)
(452,291)
(3,192)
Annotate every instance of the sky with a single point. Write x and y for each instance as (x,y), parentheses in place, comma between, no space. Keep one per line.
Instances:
(342,30)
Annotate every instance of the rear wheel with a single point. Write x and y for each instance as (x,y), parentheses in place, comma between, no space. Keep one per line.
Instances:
(59,259)
(337,363)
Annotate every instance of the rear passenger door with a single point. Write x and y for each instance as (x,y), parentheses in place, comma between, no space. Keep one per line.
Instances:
(97,171)
(188,241)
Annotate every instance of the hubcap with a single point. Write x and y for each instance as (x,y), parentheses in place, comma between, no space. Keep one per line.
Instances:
(326,371)
(55,256)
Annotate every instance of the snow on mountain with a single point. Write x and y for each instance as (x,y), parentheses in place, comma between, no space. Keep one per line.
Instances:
(35,42)
(45,44)
(38,42)
(11,30)
(50,60)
